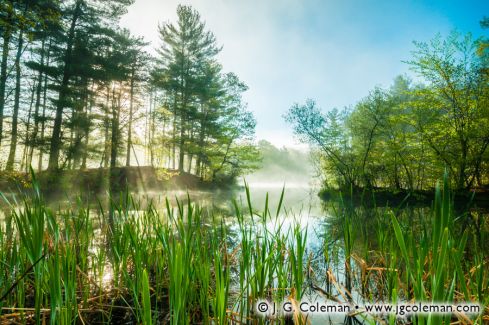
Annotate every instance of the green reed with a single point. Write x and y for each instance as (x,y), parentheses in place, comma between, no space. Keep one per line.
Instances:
(297,250)
(146,299)
(124,262)
(220,301)
(434,260)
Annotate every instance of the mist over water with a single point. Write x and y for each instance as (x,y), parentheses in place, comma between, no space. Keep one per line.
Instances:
(285,169)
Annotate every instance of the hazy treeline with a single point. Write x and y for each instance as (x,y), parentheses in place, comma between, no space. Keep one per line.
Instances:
(404,137)
(78,91)
(284,165)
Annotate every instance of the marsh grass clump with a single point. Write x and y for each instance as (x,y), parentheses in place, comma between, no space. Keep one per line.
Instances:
(397,258)
(123,263)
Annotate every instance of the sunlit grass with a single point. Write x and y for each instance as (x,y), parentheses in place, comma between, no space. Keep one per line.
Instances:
(186,265)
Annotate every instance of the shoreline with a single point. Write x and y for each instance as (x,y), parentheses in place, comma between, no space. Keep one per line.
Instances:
(385,196)
(96,181)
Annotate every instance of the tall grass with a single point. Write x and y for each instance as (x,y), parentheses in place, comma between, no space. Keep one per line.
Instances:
(427,262)
(146,299)
(124,263)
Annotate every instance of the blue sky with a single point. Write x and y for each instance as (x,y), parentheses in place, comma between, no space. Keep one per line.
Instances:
(331,51)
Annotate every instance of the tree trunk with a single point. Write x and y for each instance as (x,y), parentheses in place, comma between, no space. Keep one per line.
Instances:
(149,145)
(114,143)
(35,131)
(152,128)
(88,113)
(115,184)
(63,92)
(463,165)
(3,71)
(79,130)
(107,125)
(190,155)
(15,115)
(189,167)
(174,136)
(27,142)
(183,120)
(69,154)
(129,131)
(43,119)
(87,137)
(200,155)
(181,154)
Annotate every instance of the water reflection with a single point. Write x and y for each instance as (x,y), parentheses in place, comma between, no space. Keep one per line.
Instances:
(328,271)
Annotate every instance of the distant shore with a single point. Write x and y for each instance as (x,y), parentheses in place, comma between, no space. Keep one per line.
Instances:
(383,196)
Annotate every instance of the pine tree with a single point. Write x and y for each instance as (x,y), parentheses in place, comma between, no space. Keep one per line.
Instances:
(86,19)
(187,47)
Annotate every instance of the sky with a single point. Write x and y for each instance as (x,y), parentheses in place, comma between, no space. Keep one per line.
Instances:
(334,52)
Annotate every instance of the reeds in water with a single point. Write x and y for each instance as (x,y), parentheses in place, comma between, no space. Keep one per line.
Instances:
(187,265)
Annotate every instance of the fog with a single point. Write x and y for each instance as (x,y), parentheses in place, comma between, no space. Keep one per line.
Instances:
(282,166)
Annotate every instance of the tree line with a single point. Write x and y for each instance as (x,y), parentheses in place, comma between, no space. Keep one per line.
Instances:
(406,136)
(78,91)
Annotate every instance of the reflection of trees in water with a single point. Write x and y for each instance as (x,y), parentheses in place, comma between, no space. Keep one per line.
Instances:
(368,221)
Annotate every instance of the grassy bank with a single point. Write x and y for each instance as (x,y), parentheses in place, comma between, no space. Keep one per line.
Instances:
(187,265)
(98,181)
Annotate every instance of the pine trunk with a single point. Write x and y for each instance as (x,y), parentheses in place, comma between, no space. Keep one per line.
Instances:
(129,130)
(3,72)
(43,118)
(35,131)
(15,114)
(63,92)
(114,143)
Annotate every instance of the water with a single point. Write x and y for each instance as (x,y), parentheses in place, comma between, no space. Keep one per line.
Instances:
(301,205)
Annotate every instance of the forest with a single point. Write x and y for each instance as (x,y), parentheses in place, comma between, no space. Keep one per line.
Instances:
(404,137)
(77,92)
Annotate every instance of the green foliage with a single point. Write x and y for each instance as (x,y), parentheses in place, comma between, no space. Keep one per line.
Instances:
(405,136)
(88,80)
(202,104)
